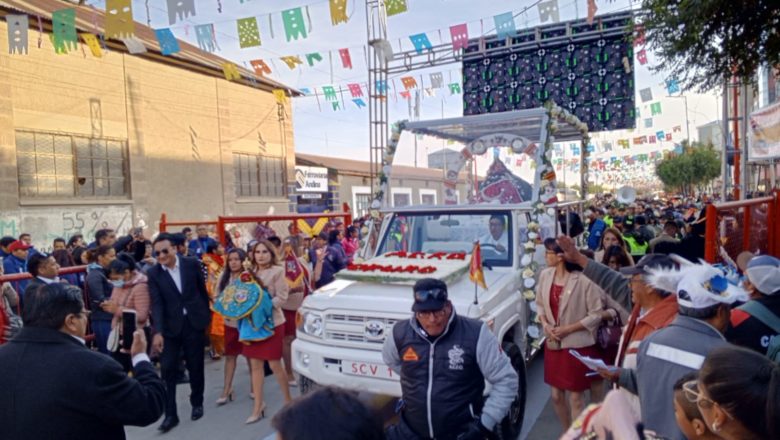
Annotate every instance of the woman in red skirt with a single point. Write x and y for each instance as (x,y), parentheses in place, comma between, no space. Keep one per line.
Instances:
(266,266)
(570,308)
(233,347)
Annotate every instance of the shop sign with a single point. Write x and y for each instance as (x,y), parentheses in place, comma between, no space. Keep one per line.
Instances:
(311,179)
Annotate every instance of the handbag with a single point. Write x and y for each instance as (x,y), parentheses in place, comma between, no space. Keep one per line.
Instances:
(608,334)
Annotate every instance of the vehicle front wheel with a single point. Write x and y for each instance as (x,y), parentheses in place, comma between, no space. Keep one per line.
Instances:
(511,426)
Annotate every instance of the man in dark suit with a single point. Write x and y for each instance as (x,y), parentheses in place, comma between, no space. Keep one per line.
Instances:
(53,387)
(180,315)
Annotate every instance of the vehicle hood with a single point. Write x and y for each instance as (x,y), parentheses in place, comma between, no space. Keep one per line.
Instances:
(396,299)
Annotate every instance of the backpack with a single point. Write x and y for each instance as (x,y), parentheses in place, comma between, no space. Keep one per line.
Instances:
(763,314)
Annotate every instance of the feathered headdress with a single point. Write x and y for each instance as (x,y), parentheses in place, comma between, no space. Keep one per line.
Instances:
(697,286)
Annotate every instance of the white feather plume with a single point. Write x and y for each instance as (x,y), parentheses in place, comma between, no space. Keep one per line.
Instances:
(668,279)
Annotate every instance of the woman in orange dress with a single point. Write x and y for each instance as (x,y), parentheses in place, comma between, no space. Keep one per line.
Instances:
(214,262)
(266,266)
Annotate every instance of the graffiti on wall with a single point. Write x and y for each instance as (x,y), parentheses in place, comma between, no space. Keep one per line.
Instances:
(46,224)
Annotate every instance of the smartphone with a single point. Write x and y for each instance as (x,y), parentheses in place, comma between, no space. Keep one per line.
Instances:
(128,328)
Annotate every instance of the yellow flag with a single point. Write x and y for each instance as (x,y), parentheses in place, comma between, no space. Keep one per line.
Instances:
(338,12)
(94,45)
(281,96)
(292,61)
(231,72)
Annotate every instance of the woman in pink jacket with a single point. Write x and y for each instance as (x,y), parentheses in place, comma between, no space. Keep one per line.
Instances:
(130,292)
(350,243)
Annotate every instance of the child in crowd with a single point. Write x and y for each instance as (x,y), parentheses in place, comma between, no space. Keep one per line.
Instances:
(687,413)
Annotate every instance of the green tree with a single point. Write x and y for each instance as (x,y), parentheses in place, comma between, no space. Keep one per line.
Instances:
(697,166)
(704,43)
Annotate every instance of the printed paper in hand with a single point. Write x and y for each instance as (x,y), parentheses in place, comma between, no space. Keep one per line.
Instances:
(593,364)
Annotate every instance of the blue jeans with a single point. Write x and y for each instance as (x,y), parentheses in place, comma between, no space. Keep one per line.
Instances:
(101,329)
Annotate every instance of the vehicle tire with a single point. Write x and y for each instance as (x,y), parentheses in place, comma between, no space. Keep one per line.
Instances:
(511,426)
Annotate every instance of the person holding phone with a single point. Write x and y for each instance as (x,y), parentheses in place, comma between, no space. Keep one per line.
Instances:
(130,292)
(99,290)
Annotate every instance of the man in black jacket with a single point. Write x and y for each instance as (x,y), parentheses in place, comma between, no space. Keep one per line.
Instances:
(53,387)
(466,355)
(180,315)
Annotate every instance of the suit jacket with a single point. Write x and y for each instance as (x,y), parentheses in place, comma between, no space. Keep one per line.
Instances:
(581,301)
(168,303)
(53,387)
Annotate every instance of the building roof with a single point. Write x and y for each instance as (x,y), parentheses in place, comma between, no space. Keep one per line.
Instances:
(443,151)
(90,19)
(360,168)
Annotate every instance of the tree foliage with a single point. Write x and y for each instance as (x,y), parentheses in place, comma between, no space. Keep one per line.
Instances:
(697,166)
(704,43)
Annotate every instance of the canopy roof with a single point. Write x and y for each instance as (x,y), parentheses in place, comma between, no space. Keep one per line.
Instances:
(526,123)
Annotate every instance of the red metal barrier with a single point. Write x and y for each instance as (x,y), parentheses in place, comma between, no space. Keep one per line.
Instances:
(164,223)
(744,225)
(10,278)
(346,215)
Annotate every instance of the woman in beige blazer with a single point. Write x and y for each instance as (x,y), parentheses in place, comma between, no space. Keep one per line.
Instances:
(570,308)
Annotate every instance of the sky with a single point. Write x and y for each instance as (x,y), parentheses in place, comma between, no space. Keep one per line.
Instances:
(319,129)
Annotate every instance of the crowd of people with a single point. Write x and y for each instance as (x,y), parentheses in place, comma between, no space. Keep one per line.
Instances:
(171,283)
(689,350)
(682,322)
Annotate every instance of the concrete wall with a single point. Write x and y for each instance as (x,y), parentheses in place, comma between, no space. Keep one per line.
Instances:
(181,128)
(349,185)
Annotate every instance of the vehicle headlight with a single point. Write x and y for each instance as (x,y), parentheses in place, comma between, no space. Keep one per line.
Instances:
(312,324)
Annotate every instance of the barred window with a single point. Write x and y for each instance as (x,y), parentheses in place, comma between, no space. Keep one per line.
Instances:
(259,176)
(57,165)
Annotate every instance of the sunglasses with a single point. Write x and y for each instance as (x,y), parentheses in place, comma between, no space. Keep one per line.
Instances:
(693,395)
(165,251)
(432,313)
(424,295)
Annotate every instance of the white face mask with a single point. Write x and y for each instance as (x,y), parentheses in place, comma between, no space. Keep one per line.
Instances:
(118,283)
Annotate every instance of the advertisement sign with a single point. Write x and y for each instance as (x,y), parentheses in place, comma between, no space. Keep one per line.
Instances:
(311,179)
(764,133)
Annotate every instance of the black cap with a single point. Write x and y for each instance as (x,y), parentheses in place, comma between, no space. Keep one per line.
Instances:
(652,261)
(430,294)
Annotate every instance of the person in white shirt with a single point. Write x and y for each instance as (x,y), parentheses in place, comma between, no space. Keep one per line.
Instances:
(497,237)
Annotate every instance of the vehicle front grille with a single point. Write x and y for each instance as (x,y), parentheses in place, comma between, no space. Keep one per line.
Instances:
(352,328)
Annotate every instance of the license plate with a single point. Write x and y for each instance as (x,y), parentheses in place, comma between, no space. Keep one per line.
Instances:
(367,369)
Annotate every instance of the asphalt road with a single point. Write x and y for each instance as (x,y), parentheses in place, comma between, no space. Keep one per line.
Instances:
(228,421)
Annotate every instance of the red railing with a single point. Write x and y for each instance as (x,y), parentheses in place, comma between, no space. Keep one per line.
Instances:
(10,278)
(164,223)
(221,221)
(744,225)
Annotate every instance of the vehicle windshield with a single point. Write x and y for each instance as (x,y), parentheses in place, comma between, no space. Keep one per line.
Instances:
(429,232)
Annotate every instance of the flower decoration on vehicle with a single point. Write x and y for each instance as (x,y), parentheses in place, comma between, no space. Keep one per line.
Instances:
(426,256)
(547,196)
(389,268)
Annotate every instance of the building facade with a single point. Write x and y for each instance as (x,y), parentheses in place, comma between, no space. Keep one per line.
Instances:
(349,181)
(115,141)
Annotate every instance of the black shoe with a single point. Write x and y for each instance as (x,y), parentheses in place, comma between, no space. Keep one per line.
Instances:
(170,423)
(182,378)
(197,412)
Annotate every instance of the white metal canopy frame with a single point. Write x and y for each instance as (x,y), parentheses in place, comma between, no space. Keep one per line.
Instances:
(531,132)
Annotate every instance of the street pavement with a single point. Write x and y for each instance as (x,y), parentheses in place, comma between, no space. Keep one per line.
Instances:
(227,421)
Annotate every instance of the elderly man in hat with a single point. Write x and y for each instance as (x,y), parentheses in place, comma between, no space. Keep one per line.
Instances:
(442,394)
(754,324)
(704,299)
